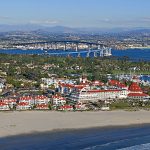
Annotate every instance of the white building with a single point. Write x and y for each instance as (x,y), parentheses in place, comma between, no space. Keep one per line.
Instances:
(27,99)
(86,94)
(23,106)
(4,106)
(58,100)
(1,87)
(136,93)
(47,82)
(41,99)
(9,101)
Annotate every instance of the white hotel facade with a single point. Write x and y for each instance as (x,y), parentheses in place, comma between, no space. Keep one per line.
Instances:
(86,94)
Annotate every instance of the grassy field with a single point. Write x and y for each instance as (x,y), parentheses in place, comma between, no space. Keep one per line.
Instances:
(128,72)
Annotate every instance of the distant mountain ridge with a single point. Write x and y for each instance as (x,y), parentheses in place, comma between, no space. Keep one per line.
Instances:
(64,29)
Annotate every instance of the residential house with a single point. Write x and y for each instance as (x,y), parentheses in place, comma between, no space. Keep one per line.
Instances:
(80,106)
(23,106)
(27,99)
(4,106)
(58,100)
(41,99)
(42,106)
(66,107)
(9,101)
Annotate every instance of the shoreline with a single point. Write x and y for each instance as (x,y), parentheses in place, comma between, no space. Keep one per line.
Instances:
(134,48)
(28,123)
(127,48)
(57,132)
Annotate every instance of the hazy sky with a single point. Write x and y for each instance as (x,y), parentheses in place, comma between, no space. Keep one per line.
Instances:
(76,13)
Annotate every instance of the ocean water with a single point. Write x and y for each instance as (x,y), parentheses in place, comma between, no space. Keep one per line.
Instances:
(109,138)
(138,147)
(133,54)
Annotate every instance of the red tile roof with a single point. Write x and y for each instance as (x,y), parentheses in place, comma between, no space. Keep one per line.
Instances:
(58,97)
(134,87)
(66,85)
(3,104)
(26,98)
(66,107)
(84,84)
(23,104)
(121,85)
(40,97)
(137,94)
(114,82)
(8,100)
(42,106)
(117,83)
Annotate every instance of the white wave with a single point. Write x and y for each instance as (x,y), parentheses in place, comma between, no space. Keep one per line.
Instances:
(138,147)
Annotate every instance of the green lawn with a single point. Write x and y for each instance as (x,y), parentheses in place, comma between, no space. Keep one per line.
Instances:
(129,72)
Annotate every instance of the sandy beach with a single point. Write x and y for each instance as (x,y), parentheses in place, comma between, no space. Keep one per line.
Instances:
(14,123)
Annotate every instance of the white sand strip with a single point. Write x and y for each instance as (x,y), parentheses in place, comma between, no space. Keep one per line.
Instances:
(14,123)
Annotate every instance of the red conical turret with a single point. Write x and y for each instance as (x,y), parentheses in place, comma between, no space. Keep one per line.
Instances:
(134,87)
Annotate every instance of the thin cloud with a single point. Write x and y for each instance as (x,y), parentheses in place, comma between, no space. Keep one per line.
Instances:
(125,22)
(44,22)
(146,19)
(4,17)
(105,20)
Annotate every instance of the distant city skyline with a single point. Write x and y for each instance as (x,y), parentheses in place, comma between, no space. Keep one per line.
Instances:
(77,13)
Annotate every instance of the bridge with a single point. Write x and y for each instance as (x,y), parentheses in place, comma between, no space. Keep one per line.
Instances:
(90,47)
(96,53)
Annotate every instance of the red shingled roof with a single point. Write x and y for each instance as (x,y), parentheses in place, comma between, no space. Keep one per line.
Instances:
(26,98)
(66,107)
(40,97)
(66,85)
(58,97)
(23,104)
(114,82)
(2,104)
(117,83)
(134,87)
(8,100)
(79,86)
(137,94)
(42,106)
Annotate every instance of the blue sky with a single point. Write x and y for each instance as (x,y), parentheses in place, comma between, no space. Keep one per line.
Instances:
(77,13)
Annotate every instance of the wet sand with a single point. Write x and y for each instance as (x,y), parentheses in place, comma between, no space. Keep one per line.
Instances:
(24,122)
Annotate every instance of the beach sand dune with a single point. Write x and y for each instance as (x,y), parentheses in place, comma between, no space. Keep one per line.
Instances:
(14,123)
